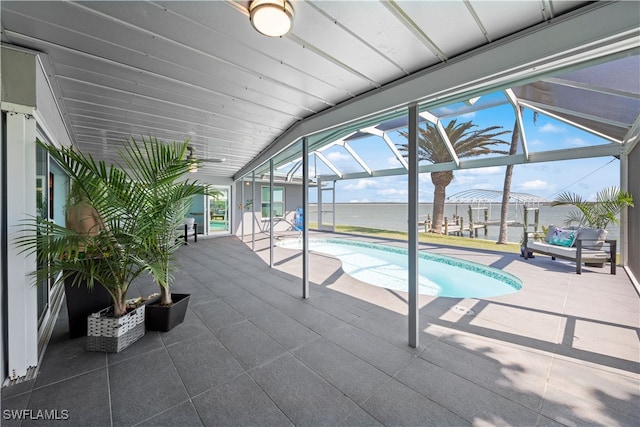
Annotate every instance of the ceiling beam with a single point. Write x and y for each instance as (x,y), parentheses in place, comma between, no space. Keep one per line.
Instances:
(531,54)
(357,158)
(443,134)
(330,165)
(547,111)
(516,159)
(513,100)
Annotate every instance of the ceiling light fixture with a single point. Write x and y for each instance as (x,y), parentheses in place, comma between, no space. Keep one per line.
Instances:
(191,158)
(273,18)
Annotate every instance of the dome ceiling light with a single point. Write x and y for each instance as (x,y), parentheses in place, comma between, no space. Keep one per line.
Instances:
(273,18)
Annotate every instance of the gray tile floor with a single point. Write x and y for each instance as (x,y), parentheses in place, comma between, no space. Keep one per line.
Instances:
(562,351)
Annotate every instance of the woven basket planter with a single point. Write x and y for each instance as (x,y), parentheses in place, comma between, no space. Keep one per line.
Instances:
(114,334)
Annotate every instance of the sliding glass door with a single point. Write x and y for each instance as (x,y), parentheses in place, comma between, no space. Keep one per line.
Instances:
(219,221)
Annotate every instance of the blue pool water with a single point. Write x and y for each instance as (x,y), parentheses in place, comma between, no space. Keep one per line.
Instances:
(439,275)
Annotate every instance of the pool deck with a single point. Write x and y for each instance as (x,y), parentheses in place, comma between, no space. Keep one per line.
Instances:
(565,350)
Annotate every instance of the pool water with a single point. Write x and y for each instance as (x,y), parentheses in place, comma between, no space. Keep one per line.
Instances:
(439,275)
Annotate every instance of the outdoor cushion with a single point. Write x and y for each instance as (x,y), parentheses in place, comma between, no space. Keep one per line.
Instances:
(549,235)
(560,251)
(563,237)
(593,238)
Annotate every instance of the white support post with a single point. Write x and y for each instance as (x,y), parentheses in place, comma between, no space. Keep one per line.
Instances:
(242,208)
(624,214)
(443,134)
(319,182)
(513,99)
(305,218)
(394,150)
(22,319)
(357,158)
(413,173)
(253,210)
(271,223)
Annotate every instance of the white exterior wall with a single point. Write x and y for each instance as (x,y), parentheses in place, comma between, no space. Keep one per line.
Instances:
(22,120)
(21,201)
(47,112)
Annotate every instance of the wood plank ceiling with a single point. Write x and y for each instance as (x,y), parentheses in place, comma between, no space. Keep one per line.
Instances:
(198,70)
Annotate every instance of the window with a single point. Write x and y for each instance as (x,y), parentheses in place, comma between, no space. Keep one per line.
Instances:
(278,202)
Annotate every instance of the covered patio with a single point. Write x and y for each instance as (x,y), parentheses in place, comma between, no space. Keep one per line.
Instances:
(562,351)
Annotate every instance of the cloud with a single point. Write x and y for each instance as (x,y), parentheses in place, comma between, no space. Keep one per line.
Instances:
(393,161)
(491,170)
(472,176)
(484,186)
(336,156)
(359,201)
(576,141)
(464,179)
(448,111)
(392,192)
(425,178)
(551,128)
(536,184)
(362,184)
(443,111)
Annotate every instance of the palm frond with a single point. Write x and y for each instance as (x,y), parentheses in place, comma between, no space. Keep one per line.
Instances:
(605,210)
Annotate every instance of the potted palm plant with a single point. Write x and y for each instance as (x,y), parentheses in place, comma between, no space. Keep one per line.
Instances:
(595,214)
(101,250)
(159,171)
(82,300)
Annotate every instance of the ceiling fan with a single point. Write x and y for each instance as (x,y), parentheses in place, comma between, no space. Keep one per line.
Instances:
(192,157)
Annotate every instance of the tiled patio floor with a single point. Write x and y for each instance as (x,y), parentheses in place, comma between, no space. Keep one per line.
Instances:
(564,350)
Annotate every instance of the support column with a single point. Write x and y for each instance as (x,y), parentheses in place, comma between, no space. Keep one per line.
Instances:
(319,182)
(253,210)
(624,215)
(22,319)
(242,208)
(413,175)
(271,223)
(305,218)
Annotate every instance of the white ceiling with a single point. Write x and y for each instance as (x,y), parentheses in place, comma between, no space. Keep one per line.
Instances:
(198,70)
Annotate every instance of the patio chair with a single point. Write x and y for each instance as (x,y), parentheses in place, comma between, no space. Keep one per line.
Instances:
(190,229)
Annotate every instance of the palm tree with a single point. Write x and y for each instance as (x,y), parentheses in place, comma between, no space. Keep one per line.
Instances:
(141,201)
(158,170)
(506,188)
(108,255)
(608,204)
(466,141)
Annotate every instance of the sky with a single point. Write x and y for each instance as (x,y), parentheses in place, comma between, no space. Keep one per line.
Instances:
(584,176)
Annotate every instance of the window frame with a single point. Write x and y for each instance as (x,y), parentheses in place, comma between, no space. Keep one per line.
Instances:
(266,201)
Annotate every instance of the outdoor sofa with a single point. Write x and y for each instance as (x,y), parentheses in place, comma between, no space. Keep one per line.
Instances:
(581,245)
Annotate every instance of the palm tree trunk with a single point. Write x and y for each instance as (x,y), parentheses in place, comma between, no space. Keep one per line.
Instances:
(165,294)
(440,181)
(439,195)
(506,189)
(119,303)
(165,290)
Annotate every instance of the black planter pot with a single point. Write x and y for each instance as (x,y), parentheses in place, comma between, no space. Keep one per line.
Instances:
(529,254)
(81,302)
(164,318)
(594,264)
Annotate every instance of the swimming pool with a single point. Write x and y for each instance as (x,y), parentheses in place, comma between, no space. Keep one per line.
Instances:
(439,275)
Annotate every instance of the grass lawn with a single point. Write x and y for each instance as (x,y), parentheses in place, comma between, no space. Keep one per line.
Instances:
(439,239)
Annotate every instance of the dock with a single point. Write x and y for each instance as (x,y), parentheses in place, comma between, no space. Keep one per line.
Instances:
(457,226)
